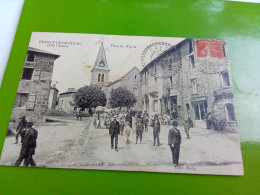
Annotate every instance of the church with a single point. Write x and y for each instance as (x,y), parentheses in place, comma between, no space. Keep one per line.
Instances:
(100,78)
(100,71)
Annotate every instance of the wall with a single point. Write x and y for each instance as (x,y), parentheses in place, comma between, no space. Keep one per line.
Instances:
(66,101)
(39,85)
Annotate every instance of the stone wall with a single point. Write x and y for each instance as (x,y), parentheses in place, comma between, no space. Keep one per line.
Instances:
(130,81)
(170,75)
(38,86)
(66,102)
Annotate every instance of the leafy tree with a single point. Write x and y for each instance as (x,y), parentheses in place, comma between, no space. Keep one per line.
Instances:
(121,97)
(90,97)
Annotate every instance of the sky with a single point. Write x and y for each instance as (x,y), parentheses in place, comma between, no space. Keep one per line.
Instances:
(77,57)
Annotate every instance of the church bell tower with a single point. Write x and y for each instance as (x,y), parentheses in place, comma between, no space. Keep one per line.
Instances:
(100,71)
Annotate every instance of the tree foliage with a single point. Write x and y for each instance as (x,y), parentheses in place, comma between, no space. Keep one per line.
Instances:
(121,97)
(90,97)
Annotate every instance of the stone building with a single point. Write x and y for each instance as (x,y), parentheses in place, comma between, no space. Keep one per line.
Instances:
(100,78)
(53,97)
(190,79)
(66,101)
(34,86)
(130,81)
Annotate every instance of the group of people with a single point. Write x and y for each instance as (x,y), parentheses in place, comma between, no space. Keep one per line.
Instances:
(118,122)
(125,122)
(28,139)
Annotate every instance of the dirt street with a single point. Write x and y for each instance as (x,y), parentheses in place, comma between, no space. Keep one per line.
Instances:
(77,144)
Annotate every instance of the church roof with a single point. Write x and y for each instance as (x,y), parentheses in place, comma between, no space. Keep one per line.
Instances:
(120,79)
(131,71)
(101,59)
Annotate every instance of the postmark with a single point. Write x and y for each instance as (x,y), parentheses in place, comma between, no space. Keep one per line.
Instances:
(152,51)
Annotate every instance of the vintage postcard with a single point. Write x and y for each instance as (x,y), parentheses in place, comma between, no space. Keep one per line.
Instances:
(129,103)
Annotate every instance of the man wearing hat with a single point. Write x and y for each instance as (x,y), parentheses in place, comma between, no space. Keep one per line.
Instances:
(29,136)
(139,129)
(113,132)
(174,141)
(22,124)
(156,130)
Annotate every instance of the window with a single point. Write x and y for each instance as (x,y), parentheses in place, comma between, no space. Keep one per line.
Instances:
(99,79)
(190,46)
(102,80)
(194,85)
(31,102)
(170,61)
(230,111)
(192,62)
(170,80)
(21,99)
(27,73)
(155,105)
(135,76)
(200,109)
(102,64)
(225,79)
(135,91)
(30,57)
(188,109)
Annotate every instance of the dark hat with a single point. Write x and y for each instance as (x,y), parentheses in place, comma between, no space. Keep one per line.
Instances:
(23,117)
(30,124)
(175,123)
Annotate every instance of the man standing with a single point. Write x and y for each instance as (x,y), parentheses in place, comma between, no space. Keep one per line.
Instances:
(113,132)
(139,130)
(208,120)
(174,141)
(156,130)
(22,124)
(146,121)
(29,136)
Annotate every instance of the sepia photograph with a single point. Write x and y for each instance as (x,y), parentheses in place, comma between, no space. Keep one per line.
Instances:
(125,103)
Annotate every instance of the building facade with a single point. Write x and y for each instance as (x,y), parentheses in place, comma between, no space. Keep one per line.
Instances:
(53,97)
(130,81)
(34,86)
(190,79)
(66,101)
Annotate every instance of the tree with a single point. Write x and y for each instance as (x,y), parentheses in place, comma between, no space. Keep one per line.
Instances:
(121,97)
(90,97)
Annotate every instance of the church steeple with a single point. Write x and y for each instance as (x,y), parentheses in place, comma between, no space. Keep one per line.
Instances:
(100,71)
(101,61)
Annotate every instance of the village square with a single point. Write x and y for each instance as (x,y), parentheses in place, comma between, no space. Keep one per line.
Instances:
(176,114)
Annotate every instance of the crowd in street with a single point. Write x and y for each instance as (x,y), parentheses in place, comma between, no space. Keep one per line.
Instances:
(121,122)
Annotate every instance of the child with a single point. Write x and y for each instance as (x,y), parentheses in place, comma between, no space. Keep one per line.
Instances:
(127,131)
(121,126)
(187,128)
